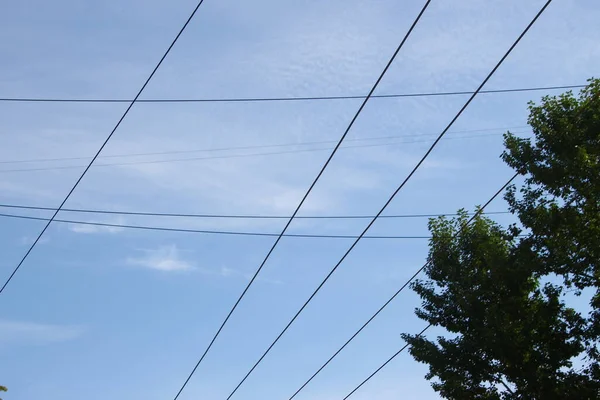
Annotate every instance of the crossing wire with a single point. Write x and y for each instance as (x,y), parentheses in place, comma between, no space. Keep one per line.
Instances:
(276,99)
(391,198)
(229,156)
(39,236)
(251,147)
(209,232)
(383,365)
(479,212)
(358,112)
(224,216)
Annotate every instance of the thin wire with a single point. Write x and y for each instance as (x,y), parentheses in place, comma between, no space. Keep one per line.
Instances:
(383,365)
(211,232)
(270,99)
(392,196)
(366,99)
(239,155)
(430,324)
(101,147)
(230,216)
(475,215)
(208,232)
(250,147)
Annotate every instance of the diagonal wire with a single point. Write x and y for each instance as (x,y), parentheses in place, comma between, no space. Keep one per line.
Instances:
(392,196)
(366,99)
(270,99)
(383,365)
(103,145)
(396,354)
(479,212)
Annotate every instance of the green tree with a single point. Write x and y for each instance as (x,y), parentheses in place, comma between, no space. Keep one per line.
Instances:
(559,203)
(509,333)
(510,337)
(3,389)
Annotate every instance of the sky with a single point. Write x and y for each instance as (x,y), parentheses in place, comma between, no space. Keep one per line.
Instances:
(105,312)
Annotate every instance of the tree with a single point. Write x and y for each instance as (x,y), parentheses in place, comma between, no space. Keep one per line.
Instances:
(560,201)
(513,337)
(509,331)
(3,389)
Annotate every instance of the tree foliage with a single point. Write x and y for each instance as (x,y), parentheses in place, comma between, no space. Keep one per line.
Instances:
(559,204)
(510,336)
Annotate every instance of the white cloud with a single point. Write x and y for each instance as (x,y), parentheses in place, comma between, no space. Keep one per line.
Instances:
(164,258)
(226,272)
(28,240)
(18,332)
(233,273)
(91,229)
(168,258)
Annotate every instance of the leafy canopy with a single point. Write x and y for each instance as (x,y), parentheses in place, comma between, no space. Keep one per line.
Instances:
(510,333)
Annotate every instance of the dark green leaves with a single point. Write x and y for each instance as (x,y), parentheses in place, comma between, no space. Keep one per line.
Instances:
(500,297)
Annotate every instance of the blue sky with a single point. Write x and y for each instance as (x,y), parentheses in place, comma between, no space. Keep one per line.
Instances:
(102,313)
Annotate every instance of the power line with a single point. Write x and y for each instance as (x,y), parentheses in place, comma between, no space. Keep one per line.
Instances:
(208,232)
(390,198)
(479,212)
(236,155)
(211,232)
(110,135)
(262,146)
(383,365)
(418,271)
(230,216)
(366,99)
(275,99)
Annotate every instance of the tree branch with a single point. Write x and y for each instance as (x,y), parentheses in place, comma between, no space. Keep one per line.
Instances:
(506,386)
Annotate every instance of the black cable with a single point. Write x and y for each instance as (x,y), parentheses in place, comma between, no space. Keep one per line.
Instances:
(396,354)
(270,99)
(383,365)
(392,196)
(236,155)
(366,99)
(102,147)
(479,212)
(210,232)
(230,216)
(262,146)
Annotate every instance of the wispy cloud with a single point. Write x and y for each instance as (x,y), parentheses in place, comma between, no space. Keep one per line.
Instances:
(91,229)
(227,272)
(28,240)
(19,332)
(164,258)
(168,258)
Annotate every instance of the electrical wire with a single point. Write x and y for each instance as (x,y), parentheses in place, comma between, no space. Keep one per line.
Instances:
(110,135)
(209,232)
(238,155)
(229,216)
(383,365)
(341,140)
(479,212)
(271,99)
(391,198)
(262,146)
